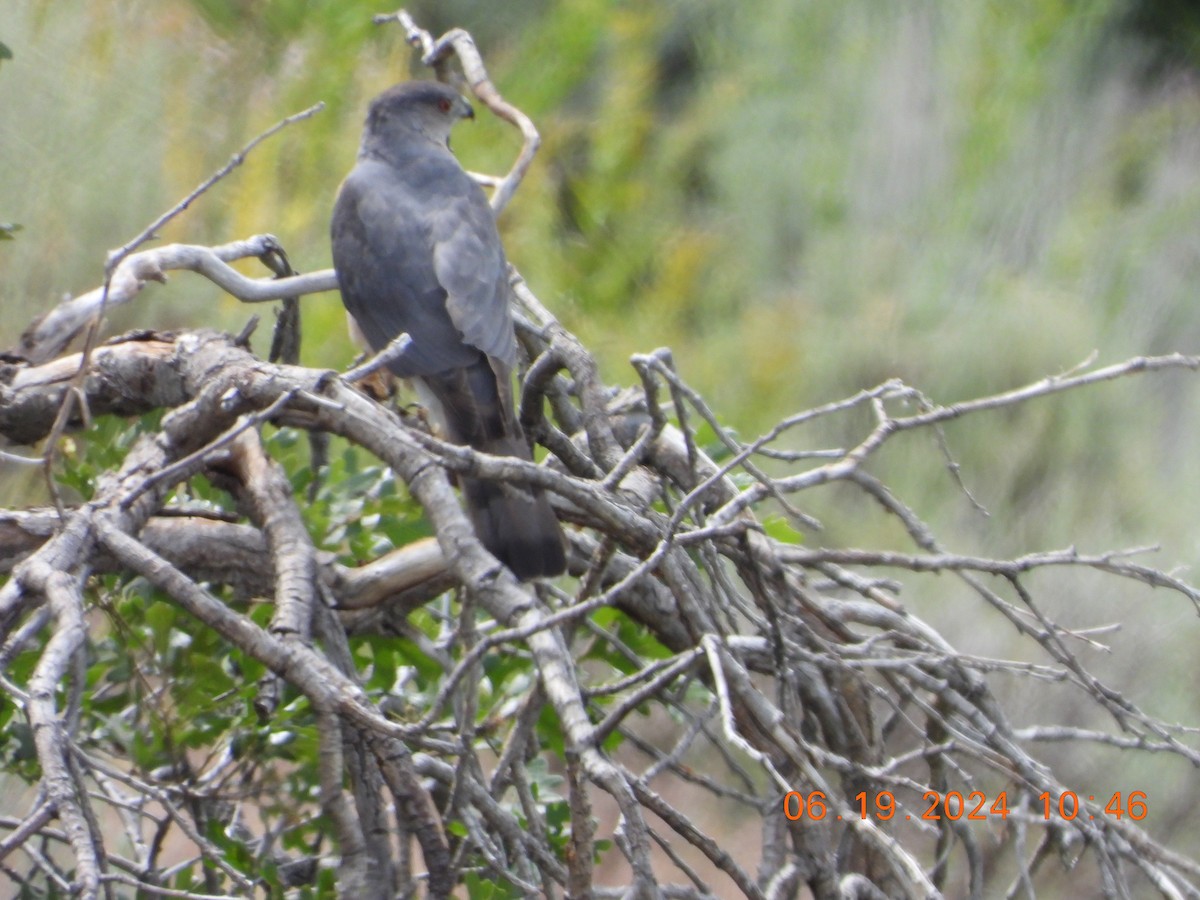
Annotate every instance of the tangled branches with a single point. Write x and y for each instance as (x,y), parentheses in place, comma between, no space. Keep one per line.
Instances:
(789,668)
(214,698)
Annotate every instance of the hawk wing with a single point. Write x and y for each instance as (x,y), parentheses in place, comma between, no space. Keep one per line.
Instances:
(416,250)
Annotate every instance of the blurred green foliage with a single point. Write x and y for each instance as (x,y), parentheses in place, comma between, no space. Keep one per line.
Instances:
(806,199)
(801,198)
(176,703)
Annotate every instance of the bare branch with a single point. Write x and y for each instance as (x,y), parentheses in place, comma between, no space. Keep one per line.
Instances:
(435,54)
(53,331)
(457,724)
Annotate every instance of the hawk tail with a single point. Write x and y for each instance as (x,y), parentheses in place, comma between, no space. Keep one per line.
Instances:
(515,522)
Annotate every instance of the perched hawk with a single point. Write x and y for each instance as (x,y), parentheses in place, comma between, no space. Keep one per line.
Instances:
(416,250)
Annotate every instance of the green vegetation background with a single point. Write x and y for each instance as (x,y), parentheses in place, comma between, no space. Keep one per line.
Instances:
(801,198)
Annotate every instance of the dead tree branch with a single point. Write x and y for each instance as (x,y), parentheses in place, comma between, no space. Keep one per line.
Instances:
(833,649)
(458,43)
(185,645)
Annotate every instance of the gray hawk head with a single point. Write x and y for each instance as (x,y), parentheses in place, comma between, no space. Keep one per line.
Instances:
(426,109)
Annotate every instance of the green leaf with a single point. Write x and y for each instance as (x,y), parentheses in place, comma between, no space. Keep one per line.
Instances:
(479,888)
(615,739)
(383,659)
(18,745)
(8,229)
(781,529)
(602,846)
(549,733)
(160,617)
(5,53)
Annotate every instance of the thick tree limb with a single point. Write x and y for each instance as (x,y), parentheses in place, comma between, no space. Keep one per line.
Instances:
(178,366)
(789,666)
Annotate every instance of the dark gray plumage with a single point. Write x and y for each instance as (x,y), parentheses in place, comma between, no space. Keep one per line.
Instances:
(416,250)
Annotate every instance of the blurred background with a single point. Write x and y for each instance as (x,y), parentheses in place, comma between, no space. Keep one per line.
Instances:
(800,198)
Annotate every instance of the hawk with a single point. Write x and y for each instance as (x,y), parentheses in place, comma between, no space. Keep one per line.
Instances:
(416,250)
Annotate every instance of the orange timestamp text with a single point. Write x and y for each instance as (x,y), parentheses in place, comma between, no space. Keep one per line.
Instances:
(974,806)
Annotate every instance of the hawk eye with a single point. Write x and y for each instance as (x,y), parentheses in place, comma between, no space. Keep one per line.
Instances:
(444,105)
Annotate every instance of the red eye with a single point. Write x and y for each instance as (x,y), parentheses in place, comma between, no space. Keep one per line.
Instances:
(444,105)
